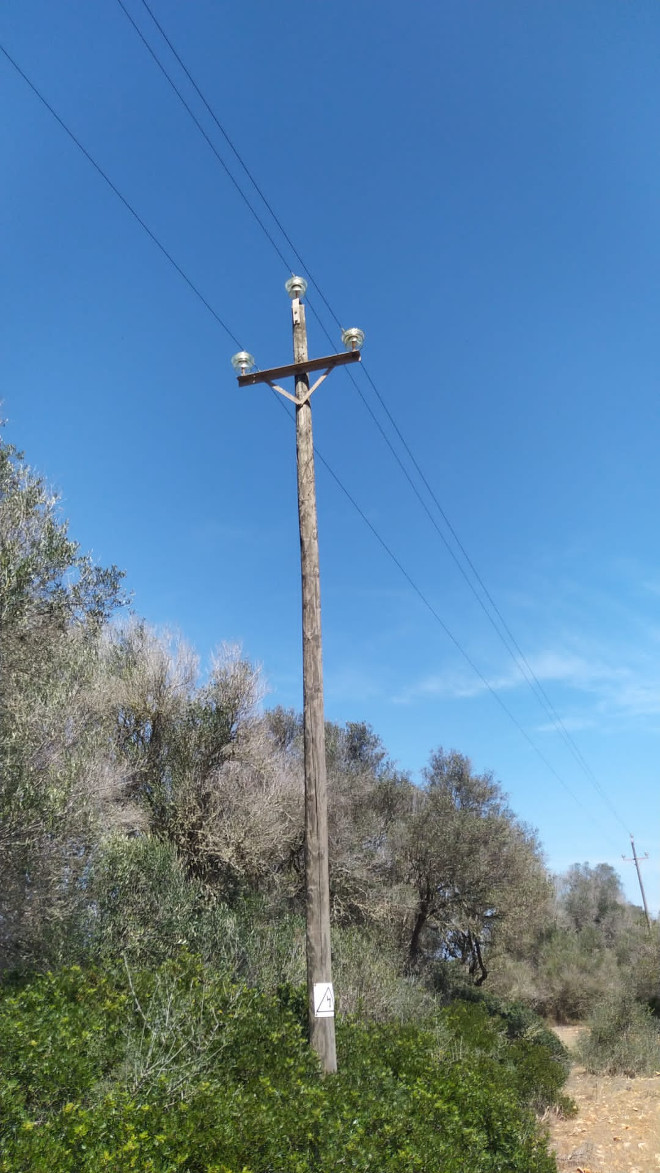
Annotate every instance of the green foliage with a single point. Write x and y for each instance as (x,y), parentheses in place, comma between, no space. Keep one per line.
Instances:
(59,1035)
(175,1068)
(590,945)
(623,1038)
(576,970)
(53,604)
(146,816)
(535,1060)
(645,957)
(468,866)
(428,1108)
(144,907)
(371,986)
(592,897)
(268,948)
(43,575)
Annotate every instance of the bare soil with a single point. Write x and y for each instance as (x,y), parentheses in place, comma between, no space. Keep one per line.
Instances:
(617,1127)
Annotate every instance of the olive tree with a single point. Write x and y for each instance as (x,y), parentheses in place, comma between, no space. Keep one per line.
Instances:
(468,870)
(208,775)
(53,776)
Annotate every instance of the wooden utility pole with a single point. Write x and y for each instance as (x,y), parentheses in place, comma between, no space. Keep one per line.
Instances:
(635,860)
(320,992)
(319,966)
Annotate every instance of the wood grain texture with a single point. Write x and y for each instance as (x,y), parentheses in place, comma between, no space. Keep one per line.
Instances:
(319,966)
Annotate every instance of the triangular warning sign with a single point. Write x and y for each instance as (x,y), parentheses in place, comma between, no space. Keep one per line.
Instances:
(324,1000)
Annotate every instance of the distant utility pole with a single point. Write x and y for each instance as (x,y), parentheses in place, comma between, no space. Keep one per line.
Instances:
(635,859)
(320,993)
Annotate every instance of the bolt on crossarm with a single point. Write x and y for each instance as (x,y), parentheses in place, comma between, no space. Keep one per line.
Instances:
(320,992)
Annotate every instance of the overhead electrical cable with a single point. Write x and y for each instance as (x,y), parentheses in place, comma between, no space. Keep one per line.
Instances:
(201,130)
(447,630)
(485,599)
(219,320)
(515,651)
(129,207)
(234,151)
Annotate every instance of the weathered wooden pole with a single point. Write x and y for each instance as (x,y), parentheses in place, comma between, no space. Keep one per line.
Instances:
(319,964)
(320,993)
(635,860)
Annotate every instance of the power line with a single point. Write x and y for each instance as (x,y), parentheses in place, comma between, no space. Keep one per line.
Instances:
(494,615)
(517,653)
(201,130)
(447,630)
(450,635)
(129,207)
(235,152)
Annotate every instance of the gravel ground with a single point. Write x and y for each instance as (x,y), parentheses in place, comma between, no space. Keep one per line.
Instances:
(617,1128)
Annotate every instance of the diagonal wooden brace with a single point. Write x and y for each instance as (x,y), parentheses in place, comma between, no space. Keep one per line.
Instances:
(310,391)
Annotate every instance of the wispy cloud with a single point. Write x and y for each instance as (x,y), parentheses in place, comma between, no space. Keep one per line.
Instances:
(603,682)
(551,665)
(351,682)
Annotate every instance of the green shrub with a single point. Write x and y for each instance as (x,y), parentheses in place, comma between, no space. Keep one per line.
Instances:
(177,1069)
(533,1059)
(521,1022)
(623,1039)
(145,908)
(59,1034)
(517,1019)
(367,971)
(403,1104)
(575,971)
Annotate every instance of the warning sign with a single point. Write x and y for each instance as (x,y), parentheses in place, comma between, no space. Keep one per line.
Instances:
(324,1000)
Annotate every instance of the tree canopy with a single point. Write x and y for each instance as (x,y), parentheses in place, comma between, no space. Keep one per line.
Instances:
(143,805)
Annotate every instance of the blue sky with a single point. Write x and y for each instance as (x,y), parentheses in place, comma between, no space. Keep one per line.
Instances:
(476,186)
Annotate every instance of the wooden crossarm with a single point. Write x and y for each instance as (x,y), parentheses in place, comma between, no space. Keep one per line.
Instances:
(299,368)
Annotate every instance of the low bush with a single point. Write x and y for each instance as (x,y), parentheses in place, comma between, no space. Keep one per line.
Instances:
(533,1059)
(574,971)
(623,1039)
(370,982)
(175,1069)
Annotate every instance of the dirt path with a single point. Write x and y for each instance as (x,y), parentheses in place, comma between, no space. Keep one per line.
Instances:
(617,1128)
